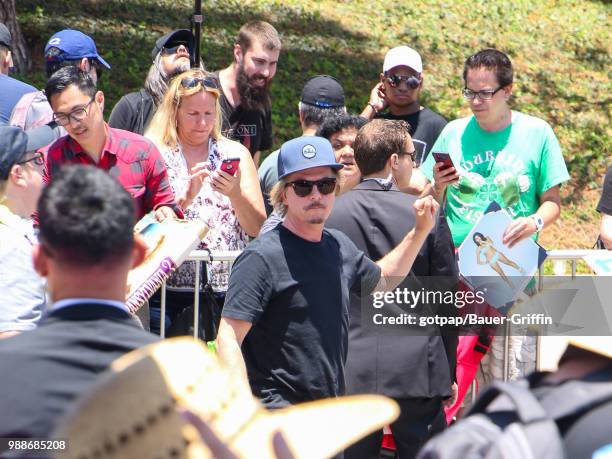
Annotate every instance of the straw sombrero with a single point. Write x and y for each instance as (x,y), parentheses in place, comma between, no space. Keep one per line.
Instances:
(553,347)
(133,411)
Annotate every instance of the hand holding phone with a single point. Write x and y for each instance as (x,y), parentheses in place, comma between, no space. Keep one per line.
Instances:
(230,165)
(443,158)
(443,176)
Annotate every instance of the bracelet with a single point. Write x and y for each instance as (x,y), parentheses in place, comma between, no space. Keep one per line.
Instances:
(373,108)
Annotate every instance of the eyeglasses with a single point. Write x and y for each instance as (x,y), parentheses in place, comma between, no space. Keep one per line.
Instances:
(78,114)
(173,49)
(192,82)
(304,187)
(487,94)
(38,159)
(412,155)
(411,81)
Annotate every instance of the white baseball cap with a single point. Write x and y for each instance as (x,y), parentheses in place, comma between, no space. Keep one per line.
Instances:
(403,55)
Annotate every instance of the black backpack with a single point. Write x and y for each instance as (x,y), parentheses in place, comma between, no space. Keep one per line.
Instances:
(516,420)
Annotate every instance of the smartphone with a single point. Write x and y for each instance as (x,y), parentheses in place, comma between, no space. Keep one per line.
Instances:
(444,158)
(230,165)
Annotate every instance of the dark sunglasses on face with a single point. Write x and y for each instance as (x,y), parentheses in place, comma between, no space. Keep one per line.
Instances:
(192,82)
(166,50)
(38,159)
(304,187)
(411,81)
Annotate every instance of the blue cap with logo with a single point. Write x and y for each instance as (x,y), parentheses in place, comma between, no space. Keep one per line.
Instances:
(73,45)
(306,152)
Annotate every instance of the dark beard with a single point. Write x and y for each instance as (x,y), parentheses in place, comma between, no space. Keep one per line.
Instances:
(253,98)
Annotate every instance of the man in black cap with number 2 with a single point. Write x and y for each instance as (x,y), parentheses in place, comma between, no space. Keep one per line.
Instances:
(285,318)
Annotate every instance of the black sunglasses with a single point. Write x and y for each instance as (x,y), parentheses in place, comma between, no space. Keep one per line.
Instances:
(174,49)
(192,82)
(411,81)
(38,159)
(304,187)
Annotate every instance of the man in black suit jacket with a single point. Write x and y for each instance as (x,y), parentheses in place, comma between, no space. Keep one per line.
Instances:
(416,368)
(86,249)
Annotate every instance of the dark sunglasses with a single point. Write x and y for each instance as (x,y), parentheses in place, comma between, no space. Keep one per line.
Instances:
(304,187)
(411,81)
(174,49)
(38,159)
(192,82)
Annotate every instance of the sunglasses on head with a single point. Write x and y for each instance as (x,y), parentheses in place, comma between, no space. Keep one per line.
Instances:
(304,187)
(411,81)
(192,82)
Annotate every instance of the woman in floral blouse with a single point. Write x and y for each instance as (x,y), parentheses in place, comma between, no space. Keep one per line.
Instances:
(186,129)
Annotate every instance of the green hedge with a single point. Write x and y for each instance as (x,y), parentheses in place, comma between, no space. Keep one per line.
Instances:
(560,49)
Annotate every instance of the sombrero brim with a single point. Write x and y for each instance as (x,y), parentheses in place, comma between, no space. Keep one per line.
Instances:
(133,411)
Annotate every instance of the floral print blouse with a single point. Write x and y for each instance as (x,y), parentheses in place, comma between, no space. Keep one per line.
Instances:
(214,208)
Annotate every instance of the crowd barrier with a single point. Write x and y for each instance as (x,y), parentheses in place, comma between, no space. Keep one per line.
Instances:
(203,256)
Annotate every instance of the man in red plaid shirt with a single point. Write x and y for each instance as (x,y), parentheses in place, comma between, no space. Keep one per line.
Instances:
(133,160)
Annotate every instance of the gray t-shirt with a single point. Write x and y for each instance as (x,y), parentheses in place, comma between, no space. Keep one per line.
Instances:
(268,177)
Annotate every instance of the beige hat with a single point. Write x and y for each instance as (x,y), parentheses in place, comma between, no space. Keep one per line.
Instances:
(133,412)
(553,347)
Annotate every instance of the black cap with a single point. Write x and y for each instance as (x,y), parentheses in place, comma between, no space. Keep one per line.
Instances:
(15,143)
(176,36)
(5,36)
(323,91)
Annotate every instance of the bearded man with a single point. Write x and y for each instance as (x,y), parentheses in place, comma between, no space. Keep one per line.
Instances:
(245,87)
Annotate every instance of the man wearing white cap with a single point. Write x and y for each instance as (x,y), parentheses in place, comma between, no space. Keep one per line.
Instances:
(285,318)
(396,97)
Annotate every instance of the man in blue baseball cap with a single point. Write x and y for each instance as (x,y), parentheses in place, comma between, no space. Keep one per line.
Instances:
(285,318)
(65,48)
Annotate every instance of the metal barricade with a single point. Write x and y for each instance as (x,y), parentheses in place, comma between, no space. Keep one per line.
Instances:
(198,256)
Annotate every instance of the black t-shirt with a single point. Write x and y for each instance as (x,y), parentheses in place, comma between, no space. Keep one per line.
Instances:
(252,128)
(605,202)
(296,295)
(133,112)
(425,127)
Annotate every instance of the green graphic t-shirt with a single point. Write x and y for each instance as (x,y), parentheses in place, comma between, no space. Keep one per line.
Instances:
(513,167)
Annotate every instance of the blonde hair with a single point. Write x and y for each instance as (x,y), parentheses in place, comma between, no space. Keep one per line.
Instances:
(162,129)
(276,197)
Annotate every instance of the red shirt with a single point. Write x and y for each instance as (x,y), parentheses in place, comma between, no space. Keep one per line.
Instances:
(133,160)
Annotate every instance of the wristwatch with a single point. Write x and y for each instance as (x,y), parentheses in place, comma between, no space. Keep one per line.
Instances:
(538,222)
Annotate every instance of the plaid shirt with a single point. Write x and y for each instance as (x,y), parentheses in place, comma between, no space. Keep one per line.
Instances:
(133,160)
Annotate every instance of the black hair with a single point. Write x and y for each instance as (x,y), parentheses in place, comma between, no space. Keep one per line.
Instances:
(482,238)
(339,122)
(86,217)
(377,141)
(491,59)
(315,116)
(53,62)
(67,76)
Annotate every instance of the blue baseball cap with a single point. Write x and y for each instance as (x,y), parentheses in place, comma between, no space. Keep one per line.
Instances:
(73,45)
(306,152)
